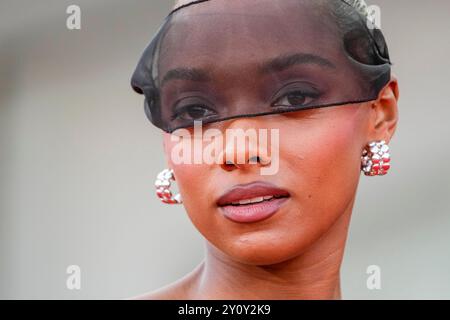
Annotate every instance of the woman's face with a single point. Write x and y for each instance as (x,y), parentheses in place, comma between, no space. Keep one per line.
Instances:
(319,150)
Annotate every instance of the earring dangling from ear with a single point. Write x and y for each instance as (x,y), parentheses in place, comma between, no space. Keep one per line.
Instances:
(376,160)
(162,185)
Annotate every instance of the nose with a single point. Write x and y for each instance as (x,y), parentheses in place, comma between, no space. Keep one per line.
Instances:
(246,145)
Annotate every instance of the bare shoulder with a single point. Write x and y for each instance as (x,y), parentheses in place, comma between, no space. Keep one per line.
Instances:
(181,289)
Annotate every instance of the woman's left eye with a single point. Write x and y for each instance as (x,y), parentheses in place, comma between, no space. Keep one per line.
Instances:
(295,99)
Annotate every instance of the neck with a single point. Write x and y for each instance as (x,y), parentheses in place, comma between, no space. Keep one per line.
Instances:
(313,274)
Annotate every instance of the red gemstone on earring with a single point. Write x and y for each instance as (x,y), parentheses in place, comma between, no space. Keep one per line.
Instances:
(386,166)
(167,194)
(159,193)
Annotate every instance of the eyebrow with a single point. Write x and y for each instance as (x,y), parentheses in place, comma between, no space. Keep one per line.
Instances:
(285,61)
(277,64)
(192,74)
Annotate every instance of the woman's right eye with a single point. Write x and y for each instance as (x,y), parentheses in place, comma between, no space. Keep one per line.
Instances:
(192,112)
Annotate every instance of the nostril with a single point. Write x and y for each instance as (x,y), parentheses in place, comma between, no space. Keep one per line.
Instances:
(255,159)
(228,165)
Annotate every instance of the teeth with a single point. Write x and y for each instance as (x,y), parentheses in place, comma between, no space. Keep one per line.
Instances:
(252,200)
(255,200)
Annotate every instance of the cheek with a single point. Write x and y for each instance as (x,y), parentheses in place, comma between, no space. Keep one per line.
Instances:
(193,182)
(329,149)
(324,159)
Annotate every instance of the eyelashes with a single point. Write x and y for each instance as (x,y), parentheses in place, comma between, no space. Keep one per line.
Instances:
(296,99)
(289,97)
(192,112)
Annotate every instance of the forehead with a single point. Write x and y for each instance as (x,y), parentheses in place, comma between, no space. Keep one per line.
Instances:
(237,32)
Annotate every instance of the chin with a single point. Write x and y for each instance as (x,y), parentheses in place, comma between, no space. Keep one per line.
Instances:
(264,250)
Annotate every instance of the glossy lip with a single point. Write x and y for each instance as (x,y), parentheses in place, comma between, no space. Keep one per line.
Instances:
(256,211)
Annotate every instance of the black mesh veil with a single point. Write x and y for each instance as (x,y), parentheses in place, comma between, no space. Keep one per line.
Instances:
(216,60)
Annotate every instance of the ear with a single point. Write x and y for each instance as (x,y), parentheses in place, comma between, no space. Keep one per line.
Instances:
(384,113)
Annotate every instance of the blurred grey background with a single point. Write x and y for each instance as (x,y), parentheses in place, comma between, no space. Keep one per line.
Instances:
(78,159)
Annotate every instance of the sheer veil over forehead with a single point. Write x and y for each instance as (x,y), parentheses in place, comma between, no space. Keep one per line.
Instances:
(214,60)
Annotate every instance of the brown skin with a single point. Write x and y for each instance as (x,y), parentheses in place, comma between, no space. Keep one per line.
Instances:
(296,253)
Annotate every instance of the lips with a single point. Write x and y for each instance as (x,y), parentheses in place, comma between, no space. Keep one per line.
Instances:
(252,202)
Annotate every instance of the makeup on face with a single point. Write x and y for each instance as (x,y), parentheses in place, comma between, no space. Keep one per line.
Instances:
(252,202)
